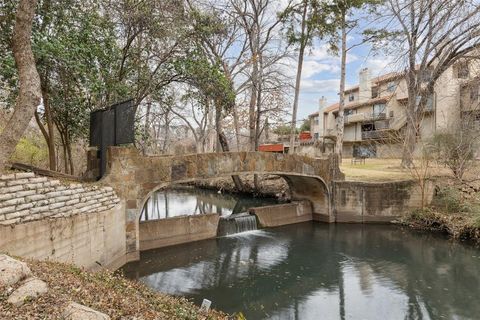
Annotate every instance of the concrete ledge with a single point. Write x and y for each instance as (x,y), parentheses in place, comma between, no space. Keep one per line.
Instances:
(89,240)
(177,230)
(283,214)
(322,217)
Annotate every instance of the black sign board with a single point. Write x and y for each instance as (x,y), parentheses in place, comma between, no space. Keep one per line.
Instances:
(112,126)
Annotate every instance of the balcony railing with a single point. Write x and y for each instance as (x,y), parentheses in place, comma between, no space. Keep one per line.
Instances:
(362,117)
(330,133)
(375,134)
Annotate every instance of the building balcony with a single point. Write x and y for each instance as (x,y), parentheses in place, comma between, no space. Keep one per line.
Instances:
(330,133)
(364,117)
(375,135)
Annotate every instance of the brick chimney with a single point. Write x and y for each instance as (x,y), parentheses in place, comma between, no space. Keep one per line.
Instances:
(318,129)
(322,103)
(365,84)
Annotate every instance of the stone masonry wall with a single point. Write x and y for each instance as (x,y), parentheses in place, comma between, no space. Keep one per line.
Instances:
(27,197)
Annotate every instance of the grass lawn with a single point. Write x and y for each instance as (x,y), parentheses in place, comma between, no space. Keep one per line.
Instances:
(374,170)
(382,170)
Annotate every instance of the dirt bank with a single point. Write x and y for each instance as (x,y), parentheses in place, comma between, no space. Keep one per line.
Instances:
(454,211)
(104,291)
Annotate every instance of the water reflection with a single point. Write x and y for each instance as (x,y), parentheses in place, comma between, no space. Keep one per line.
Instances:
(180,201)
(316,271)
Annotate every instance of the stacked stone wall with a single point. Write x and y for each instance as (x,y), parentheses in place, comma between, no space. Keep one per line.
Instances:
(28,197)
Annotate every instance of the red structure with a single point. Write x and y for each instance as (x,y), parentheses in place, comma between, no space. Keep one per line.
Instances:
(271,147)
(305,135)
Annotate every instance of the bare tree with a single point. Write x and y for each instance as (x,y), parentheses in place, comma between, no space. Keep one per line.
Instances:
(305,32)
(195,116)
(226,46)
(457,146)
(30,93)
(343,11)
(261,27)
(427,37)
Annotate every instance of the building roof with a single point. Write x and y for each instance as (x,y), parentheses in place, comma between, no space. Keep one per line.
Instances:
(354,105)
(387,77)
(351,89)
(377,80)
(331,107)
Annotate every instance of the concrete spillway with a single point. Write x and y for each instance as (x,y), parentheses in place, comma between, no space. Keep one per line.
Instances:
(237,223)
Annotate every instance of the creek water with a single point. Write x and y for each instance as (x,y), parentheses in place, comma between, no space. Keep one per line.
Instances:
(320,271)
(180,201)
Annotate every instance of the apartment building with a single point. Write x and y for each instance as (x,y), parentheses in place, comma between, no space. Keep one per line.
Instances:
(375,111)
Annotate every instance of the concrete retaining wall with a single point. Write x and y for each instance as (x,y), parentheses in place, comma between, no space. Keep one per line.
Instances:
(377,202)
(283,214)
(167,232)
(353,202)
(87,240)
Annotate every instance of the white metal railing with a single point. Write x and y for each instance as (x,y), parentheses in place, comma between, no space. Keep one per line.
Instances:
(365,116)
(330,132)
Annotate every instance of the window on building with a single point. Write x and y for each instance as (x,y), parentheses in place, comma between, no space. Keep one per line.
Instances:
(348,112)
(461,70)
(392,86)
(426,75)
(351,97)
(428,104)
(316,135)
(379,109)
(374,92)
(474,94)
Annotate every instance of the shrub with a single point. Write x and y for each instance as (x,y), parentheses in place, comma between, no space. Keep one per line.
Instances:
(31,151)
(455,148)
(450,200)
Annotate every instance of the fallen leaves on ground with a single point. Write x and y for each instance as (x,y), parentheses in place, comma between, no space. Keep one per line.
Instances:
(104,291)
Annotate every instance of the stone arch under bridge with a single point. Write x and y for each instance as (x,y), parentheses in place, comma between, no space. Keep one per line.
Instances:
(135,177)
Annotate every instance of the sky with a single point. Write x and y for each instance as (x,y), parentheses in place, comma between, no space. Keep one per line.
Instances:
(321,74)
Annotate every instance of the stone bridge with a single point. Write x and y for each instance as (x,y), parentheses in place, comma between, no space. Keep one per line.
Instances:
(136,177)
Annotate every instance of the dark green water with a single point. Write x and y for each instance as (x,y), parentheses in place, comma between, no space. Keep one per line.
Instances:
(318,271)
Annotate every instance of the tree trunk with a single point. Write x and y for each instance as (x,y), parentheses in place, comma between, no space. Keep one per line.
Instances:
(64,146)
(224,143)
(30,93)
(218,128)
(69,152)
(211,135)
(51,135)
(410,132)
(237,127)
(258,116)
(167,132)
(303,43)
(252,106)
(412,89)
(267,130)
(146,129)
(258,132)
(255,46)
(341,106)
(409,145)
